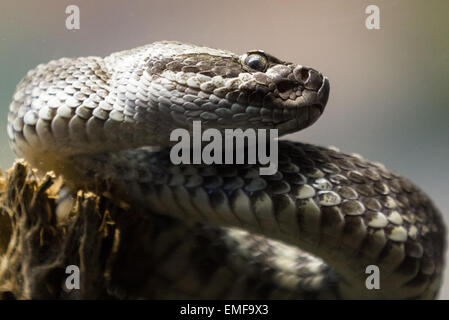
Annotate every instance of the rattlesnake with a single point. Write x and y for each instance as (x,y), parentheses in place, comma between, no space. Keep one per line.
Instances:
(309,230)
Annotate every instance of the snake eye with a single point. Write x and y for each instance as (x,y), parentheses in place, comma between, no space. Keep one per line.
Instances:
(257,61)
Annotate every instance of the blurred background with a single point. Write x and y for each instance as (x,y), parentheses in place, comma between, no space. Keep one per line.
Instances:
(389,96)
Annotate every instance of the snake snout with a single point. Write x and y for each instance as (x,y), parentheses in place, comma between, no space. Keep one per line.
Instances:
(313,81)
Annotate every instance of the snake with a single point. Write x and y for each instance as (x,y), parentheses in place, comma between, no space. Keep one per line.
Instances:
(313,229)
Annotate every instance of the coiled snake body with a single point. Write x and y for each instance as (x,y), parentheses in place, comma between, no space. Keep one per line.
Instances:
(91,119)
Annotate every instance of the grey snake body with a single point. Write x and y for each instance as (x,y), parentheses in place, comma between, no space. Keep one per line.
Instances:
(308,231)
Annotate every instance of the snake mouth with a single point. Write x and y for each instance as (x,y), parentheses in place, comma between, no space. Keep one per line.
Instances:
(305,117)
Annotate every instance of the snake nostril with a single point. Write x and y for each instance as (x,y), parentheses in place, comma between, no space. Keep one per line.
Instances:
(301,74)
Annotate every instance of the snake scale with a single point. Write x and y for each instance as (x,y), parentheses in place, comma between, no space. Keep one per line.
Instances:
(308,231)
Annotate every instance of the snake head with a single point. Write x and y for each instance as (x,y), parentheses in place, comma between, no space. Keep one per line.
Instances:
(290,97)
(225,90)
